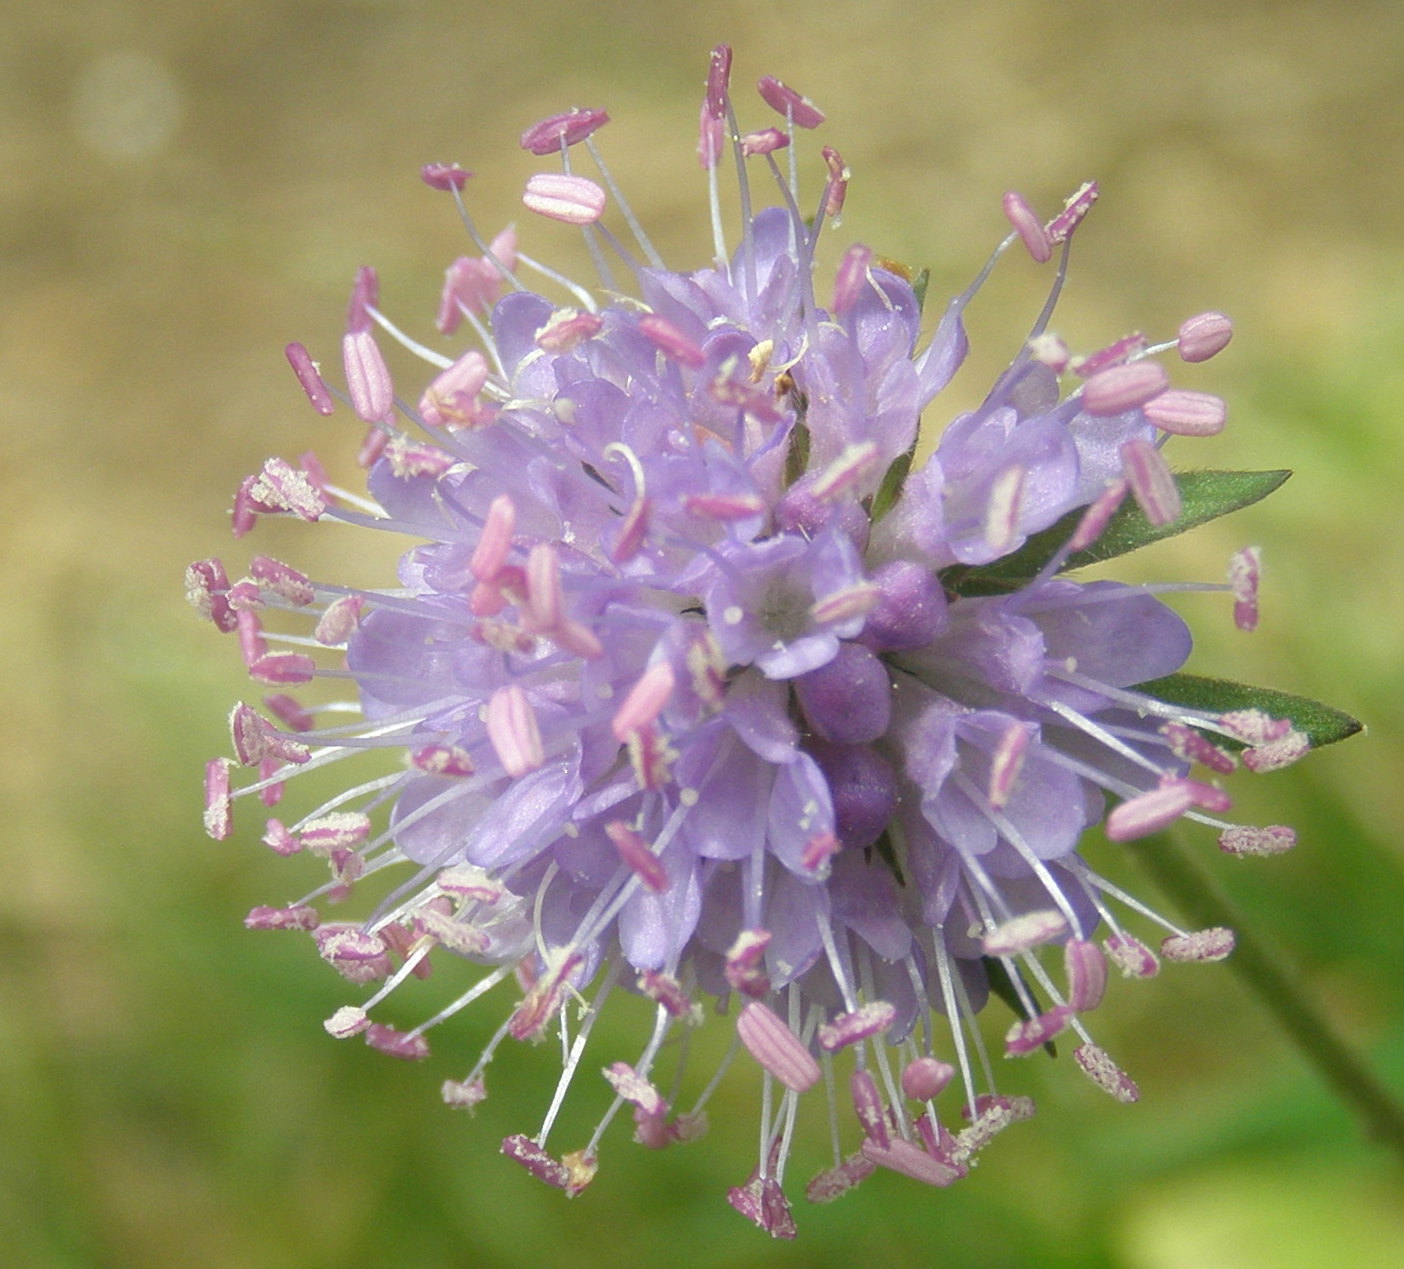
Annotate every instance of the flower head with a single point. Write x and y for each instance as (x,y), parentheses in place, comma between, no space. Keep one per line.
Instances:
(694,685)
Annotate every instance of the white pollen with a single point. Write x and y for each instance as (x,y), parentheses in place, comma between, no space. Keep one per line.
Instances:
(732,616)
(689,797)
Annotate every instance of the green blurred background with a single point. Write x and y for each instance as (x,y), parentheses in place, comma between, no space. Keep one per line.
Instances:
(186,186)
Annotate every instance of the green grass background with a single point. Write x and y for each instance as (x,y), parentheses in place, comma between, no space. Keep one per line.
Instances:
(188,186)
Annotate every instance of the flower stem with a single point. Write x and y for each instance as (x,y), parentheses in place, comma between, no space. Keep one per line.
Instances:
(1261,967)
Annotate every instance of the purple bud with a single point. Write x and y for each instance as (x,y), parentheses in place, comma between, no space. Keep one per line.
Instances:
(864,791)
(849,700)
(910,610)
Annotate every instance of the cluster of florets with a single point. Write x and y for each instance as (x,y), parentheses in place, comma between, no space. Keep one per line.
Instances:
(696,686)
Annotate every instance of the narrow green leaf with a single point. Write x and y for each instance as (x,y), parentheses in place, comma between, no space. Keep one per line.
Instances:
(797,456)
(1205,495)
(893,479)
(1323,724)
(919,285)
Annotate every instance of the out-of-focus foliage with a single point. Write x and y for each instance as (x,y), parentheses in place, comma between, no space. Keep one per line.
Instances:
(188,186)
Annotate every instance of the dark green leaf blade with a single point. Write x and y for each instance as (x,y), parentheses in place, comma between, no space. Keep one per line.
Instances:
(1323,724)
(1205,495)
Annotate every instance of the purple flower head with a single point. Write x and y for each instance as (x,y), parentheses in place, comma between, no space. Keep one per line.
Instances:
(693,685)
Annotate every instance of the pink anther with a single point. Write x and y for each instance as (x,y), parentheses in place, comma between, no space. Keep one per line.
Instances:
(559,131)
(573,200)
(308,376)
(1028,226)
(784,100)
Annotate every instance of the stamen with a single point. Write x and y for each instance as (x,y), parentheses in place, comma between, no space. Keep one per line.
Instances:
(1115,354)
(1244,571)
(277,668)
(1074,211)
(297,917)
(766,141)
(357,956)
(365,296)
(1160,807)
(911,1160)
(925,1078)
(634,851)
(784,100)
(347,1021)
(1132,957)
(1245,840)
(1007,761)
(543,1166)
(670,341)
(1029,227)
(645,702)
(495,541)
(339,621)
(400,1044)
(367,377)
(218,804)
(718,81)
(1193,746)
(567,328)
(513,732)
(444,176)
(862,1024)
(852,278)
(444,760)
(288,712)
(557,132)
(207,591)
(1105,1073)
(1049,350)
(834,1182)
(284,581)
(1202,336)
(744,962)
(463,1094)
(1277,754)
(1086,971)
(573,200)
(453,396)
(1185,413)
(868,1105)
(669,993)
(1150,479)
(1023,933)
(778,1049)
(279,486)
(1031,1034)
(1201,945)
(541,608)
(837,189)
(307,375)
(1121,388)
